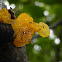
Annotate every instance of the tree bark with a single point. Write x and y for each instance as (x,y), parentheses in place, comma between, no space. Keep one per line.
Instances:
(8,52)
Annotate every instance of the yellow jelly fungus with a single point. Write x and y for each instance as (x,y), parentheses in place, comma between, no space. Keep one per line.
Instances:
(24,18)
(24,27)
(43,29)
(5,16)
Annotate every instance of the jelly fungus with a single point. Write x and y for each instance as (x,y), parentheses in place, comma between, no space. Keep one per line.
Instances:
(24,27)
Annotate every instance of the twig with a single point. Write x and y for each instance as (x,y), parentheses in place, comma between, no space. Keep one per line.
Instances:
(56,24)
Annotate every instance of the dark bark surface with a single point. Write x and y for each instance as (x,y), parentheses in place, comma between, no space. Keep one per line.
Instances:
(8,52)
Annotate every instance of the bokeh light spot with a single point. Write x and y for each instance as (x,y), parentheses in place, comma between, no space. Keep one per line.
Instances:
(46,13)
(57,41)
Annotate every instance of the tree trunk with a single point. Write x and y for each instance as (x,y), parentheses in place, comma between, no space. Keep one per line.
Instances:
(8,52)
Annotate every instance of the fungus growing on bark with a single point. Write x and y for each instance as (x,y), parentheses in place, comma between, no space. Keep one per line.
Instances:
(24,27)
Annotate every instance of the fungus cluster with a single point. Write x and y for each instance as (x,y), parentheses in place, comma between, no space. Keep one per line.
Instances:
(24,27)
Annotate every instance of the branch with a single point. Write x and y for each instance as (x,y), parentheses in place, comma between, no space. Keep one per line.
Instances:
(56,24)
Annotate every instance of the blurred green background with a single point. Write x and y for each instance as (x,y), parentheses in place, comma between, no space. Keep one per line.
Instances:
(40,49)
